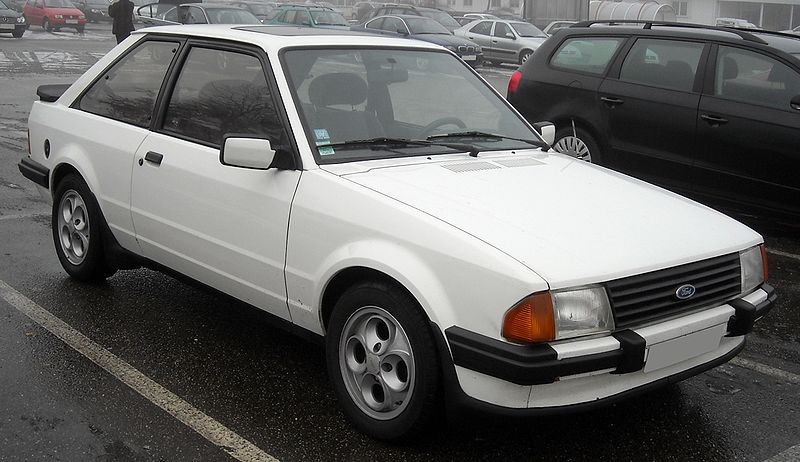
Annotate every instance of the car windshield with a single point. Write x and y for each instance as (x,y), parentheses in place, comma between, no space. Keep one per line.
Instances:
(4,6)
(59,4)
(230,16)
(423,25)
(371,103)
(442,18)
(328,18)
(526,29)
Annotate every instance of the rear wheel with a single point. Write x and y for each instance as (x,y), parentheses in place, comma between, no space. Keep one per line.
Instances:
(524,56)
(383,362)
(46,25)
(76,227)
(577,143)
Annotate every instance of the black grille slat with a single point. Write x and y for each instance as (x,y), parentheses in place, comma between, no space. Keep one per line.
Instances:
(651,296)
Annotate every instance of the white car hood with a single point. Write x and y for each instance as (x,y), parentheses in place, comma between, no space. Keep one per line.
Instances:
(571,222)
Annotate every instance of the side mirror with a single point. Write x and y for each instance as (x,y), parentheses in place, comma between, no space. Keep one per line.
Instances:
(795,103)
(256,153)
(511,36)
(547,130)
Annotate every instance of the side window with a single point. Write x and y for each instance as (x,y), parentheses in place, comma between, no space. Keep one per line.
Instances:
(288,17)
(302,18)
(374,24)
(195,16)
(501,29)
(171,15)
(754,78)
(220,92)
(393,25)
(586,54)
(482,28)
(662,63)
(127,92)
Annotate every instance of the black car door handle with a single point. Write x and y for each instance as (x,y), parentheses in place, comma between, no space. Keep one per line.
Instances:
(153,157)
(611,101)
(713,120)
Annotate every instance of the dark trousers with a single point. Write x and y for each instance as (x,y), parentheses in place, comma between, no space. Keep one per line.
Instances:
(122,36)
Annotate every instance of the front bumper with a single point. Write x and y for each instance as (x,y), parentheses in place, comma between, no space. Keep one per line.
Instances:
(584,373)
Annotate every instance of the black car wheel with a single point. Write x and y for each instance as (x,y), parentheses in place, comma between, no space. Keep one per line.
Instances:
(46,25)
(383,362)
(577,143)
(76,228)
(524,56)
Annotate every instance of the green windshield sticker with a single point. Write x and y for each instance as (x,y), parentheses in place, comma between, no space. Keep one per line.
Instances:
(326,150)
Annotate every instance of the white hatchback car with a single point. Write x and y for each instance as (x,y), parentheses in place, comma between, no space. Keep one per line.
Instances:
(381,195)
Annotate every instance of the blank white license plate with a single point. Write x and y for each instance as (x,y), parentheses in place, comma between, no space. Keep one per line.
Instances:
(72,21)
(469,57)
(673,351)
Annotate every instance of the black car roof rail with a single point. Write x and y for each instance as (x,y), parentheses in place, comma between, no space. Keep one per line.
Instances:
(649,25)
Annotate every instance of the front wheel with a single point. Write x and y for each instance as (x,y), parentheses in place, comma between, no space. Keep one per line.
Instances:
(383,363)
(46,25)
(76,228)
(577,143)
(525,56)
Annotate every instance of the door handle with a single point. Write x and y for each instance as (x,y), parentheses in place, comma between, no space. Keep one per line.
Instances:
(611,102)
(713,120)
(153,157)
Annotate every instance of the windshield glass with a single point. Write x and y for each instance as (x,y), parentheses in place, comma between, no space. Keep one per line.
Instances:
(425,26)
(526,29)
(230,16)
(347,95)
(3,6)
(328,18)
(59,4)
(442,18)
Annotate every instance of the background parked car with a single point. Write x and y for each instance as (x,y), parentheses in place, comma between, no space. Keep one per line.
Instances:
(425,29)
(94,10)
(555,26)
(734,22)
(503,41)
(796,31)
(442,17)
(261,10)
(309,15)
(11,21)
(155,14)
(708,114)
(54,14)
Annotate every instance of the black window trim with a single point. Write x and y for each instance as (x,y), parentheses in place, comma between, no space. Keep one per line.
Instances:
(699,77)
(181,42)
(624,44)
(224,45)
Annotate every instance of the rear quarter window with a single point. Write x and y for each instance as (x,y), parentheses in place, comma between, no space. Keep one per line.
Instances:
(586,54)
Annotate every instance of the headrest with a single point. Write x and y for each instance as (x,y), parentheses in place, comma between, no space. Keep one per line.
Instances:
(337,88)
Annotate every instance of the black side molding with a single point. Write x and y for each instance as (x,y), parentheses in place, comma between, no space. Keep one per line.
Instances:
(747,314)
(51,93)
(35,172)
(538,364)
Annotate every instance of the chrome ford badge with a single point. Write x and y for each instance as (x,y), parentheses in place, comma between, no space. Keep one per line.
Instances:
(685,291)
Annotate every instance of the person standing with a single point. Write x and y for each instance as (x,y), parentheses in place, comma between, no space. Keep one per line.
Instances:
(121,11)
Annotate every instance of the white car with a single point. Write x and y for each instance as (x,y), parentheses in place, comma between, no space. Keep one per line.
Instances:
(378,193)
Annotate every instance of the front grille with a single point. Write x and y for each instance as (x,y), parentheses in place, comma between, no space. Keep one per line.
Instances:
(651,296)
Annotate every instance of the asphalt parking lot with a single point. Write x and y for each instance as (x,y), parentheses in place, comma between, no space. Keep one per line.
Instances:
(149,368)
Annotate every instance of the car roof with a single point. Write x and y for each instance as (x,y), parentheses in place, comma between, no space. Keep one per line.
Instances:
(273,38)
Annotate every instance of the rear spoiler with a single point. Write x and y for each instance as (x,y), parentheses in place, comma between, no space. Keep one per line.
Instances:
(51,93)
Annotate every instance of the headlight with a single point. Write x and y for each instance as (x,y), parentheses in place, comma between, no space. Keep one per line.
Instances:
(81,17)
(559,314)
(58,16)
(478,50)
(753,262)
(21,19)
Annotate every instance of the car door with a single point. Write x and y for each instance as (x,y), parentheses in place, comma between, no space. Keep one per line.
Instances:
(481,33)
(117,110)
(505,45)
(651,107)
(36,14)
(749,133)
(224,226)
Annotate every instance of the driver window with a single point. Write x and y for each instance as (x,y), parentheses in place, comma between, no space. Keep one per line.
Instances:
(376,24)
(393,25)
(501,29)
(195,16)
(127,92)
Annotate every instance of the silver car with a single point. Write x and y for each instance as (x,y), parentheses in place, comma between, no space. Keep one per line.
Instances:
(503,41)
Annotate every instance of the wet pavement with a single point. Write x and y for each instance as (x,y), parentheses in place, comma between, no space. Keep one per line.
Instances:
(231,362)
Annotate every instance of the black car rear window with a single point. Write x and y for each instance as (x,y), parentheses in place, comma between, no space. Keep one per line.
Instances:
(586,54)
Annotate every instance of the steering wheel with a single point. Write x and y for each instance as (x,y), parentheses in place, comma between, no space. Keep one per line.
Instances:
(440,122)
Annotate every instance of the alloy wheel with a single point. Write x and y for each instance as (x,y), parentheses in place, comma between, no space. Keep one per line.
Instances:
(573,146)
(73,227)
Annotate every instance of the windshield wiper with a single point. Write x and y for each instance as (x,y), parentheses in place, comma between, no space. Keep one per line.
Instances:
(385,141)
(477,134)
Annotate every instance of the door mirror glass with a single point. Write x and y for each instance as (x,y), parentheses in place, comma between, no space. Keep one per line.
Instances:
(795,102)
(509,35)
(547,130)
(254,153)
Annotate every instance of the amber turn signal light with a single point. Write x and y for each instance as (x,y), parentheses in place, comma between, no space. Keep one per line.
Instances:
(531,320)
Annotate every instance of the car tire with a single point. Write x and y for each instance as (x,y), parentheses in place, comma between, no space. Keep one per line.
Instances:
(76,226)
(578,143)
(46,25)
(379,346)
(18,33)
(524,56)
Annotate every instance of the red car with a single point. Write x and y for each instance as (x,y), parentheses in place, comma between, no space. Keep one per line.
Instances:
(54,14)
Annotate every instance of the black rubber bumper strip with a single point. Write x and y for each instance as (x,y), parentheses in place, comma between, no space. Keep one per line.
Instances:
(747,314)
(35,172)
(538,364)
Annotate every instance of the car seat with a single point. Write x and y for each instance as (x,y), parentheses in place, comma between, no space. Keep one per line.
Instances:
(342,123)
